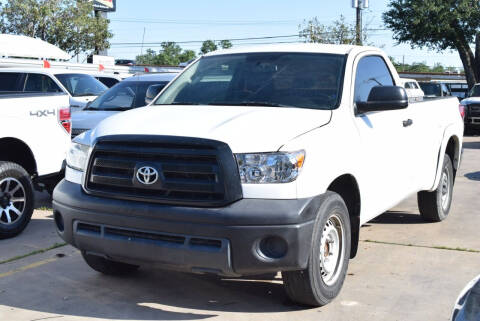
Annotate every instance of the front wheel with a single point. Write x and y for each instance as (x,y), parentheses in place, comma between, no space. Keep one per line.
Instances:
(435,206)
(323,278)
(16,199)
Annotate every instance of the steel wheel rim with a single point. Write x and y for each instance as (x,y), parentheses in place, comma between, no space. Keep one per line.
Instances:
(445,189)
(12,200)
(332,249)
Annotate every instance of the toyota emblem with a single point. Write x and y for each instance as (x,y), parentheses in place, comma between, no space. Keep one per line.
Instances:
(147,175)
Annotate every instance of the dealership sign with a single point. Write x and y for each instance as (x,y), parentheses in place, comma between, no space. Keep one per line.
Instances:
(104,5)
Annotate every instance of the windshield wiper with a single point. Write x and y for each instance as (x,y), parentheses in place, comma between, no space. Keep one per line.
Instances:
(178,103)
(249,103)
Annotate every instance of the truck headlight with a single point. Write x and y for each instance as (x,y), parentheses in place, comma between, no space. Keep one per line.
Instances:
(268,168)
(77,156)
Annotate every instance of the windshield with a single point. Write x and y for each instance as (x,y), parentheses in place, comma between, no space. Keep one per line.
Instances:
(79,85)
(475,92)
(304,80)
(125,95)
(430,89)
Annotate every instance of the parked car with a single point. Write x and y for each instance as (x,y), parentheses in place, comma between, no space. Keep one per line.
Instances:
(414,92)
(133,92)
(467,306)
(472,109)
(34,138)
(80,87)
(259,160)
(125,62)
(432,89)
(108,80)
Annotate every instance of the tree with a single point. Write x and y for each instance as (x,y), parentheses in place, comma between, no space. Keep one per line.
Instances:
(208,46)
(439,25)
(170,55)
(438,67)
(147,59)
(225,44)
(187,55)
(339,32)
(68,24)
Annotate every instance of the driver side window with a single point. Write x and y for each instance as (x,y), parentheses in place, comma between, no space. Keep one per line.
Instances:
(371,71)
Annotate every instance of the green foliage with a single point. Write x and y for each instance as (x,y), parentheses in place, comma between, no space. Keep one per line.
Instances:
(68,24)
(225,44)
(439,25)
(208,46)
(339,32)
(438,67)
(420,67)
(170,55)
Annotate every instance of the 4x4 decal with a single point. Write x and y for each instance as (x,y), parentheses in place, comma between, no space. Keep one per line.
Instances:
(42,113)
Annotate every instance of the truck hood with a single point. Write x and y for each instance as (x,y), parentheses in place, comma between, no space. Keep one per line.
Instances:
(78,103)
(88,119)
(471,100)
(244,129)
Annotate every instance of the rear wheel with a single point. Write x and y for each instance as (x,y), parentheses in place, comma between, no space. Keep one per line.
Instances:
(16,199)
(108,267)
(323,278)
(435,206)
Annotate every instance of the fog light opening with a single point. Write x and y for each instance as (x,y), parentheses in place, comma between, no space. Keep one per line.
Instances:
(59,221)
(273,247)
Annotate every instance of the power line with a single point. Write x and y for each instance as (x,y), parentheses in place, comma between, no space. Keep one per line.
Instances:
(237,44)
(201,41)
(205,22)
(231,39)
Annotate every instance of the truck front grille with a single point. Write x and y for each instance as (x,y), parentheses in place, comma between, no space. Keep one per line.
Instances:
(473,110)
(188,171)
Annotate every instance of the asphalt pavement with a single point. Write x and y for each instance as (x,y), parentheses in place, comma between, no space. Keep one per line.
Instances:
(405,270)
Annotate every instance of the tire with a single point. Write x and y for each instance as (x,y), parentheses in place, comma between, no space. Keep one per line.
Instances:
(17,199)
(108,267)
(435,206)
(321,281)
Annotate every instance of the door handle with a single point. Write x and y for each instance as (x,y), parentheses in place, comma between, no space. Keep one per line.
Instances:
(407,122)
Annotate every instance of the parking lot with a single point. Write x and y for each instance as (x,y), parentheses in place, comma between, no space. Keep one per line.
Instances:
(405,270)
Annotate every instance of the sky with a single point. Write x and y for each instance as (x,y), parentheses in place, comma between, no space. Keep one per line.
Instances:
(192,22)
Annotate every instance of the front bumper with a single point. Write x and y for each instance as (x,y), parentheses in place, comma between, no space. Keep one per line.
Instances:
(250,236)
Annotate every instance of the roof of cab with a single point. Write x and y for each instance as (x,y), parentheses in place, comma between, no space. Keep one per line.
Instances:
(295,47)
(164,76)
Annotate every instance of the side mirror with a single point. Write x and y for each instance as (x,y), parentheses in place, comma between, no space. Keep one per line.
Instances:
(384,98)
(152,92)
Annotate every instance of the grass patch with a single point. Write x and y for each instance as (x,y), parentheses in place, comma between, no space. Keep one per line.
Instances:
(44,208)
(460,249)
(54,246)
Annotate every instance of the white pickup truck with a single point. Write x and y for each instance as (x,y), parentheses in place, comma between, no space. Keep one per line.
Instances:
(259,160)
(34,139)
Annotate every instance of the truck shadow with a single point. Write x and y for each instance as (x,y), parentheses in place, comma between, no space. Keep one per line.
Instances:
(474,176)
(471,145)
(398,217)
(75,290)
(43,201)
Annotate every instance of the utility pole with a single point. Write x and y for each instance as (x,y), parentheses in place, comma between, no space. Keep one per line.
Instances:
(359,5)
(100,14)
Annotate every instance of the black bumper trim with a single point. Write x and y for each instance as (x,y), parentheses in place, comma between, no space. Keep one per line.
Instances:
(239,227)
